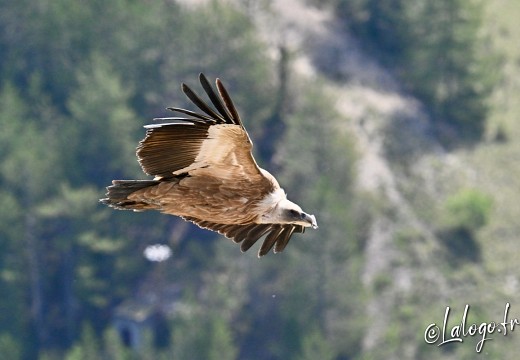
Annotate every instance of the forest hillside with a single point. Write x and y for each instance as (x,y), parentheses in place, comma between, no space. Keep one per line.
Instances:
(395,123)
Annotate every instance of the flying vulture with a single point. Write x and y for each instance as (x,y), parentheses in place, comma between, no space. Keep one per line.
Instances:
(205,173)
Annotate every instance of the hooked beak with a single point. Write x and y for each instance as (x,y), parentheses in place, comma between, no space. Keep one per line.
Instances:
(311,219)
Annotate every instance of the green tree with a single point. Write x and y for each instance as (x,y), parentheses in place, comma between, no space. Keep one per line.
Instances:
(13,279)
(438,51)
(222,35)
(202,335)
(87,348)
(102,123)
(28,155)
(315,346)
(114,348)
(324,186)
(9,345)
(468,209)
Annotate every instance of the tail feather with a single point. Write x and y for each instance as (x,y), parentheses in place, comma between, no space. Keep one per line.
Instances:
(117,194)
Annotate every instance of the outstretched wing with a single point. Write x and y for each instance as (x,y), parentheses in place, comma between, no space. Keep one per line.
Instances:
(278,235)
(213,143)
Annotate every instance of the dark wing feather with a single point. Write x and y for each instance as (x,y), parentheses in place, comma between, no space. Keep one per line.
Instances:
(270,240)
(283,239)
(174,120)
(174,144)
(253,236)
(227,112)
(215,99)
(229,103)
(171,147)
(206,119)
(201,103)
(240,235)
(278,234)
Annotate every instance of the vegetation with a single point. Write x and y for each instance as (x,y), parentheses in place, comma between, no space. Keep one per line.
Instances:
(77,82)
(438,51)
(468,209)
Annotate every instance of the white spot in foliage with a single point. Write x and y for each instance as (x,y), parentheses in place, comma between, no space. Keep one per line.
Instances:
(157,252)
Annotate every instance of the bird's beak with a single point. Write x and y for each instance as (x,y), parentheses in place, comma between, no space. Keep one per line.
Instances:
(311,219)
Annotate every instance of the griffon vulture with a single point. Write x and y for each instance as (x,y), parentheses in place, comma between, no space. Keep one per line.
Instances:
(205,173)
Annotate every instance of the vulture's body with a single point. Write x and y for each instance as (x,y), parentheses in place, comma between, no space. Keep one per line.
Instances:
(205,173)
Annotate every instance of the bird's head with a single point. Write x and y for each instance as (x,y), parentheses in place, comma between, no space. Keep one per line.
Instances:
(287,212)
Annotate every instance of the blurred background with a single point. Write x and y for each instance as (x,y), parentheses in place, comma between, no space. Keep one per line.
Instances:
(394,121)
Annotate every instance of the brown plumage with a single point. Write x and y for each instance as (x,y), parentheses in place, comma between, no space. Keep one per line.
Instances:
(204,172)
